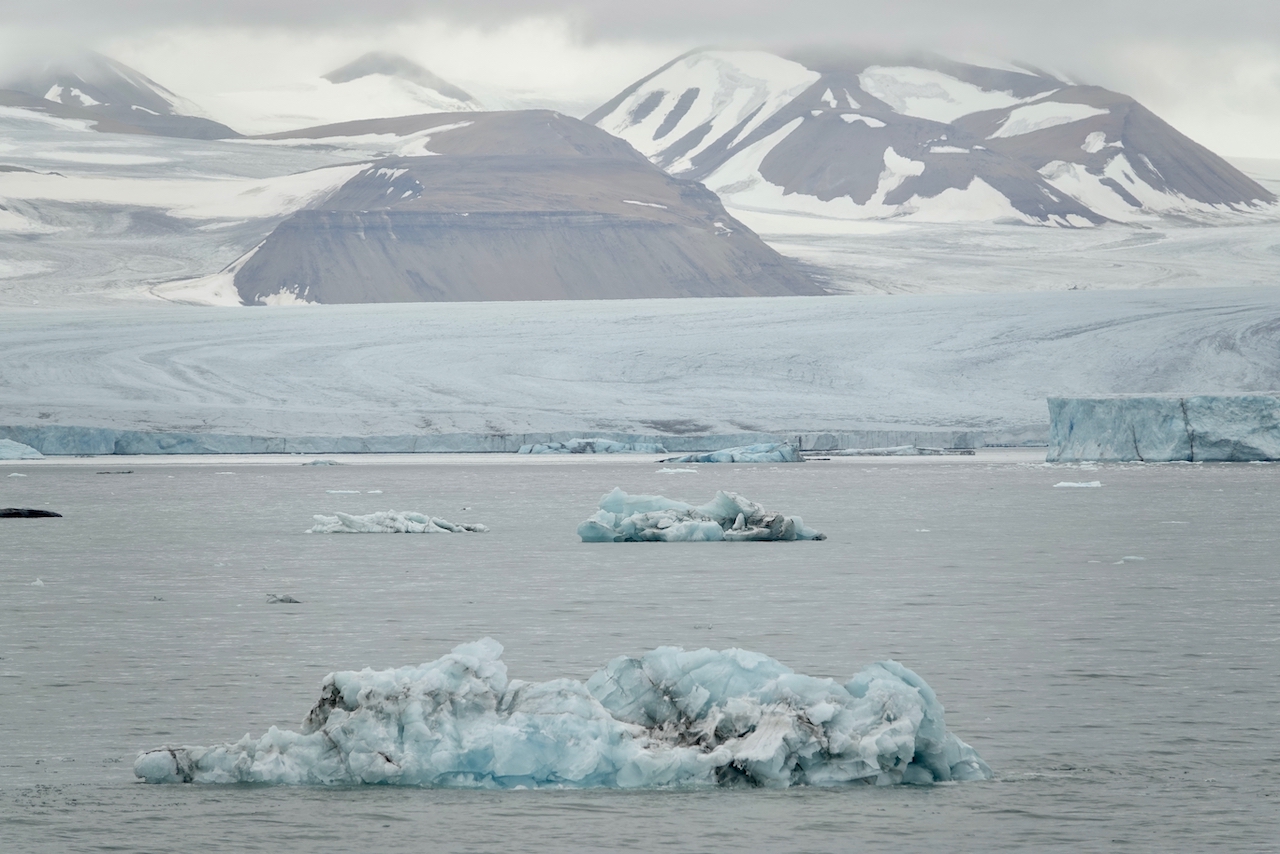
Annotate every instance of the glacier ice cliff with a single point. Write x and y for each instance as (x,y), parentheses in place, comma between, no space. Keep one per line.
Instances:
(666,718)
(11,450)
(1164,428)
(765,452)
(592,446)
(624,518)
(390,522)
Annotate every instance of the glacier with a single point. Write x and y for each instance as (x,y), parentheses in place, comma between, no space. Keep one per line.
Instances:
(11,450)
(765,452)
(667,718)
(592,446)
(1165,428)
(390,522)
(624,518)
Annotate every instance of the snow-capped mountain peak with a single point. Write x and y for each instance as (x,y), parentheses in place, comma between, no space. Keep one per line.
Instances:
(394,65)
(842,137)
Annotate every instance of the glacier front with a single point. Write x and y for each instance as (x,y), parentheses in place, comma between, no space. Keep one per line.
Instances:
(1164,428)
(666,718)
(592,446)
(765,452)
(624,518)
(11,450)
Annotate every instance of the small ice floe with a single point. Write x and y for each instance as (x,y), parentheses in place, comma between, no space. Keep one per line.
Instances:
(626,518)
(1088,484)
(1128,559)
(323,463)
(276,599)
(766,452)
(668,718)
(677,471)
(390,522)
(343,491)
(37,583)
(15,474)
(373,492)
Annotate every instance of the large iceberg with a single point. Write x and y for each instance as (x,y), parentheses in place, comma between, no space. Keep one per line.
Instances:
(667,718)
(1163,428)
(390,522)
(766,452)
(624,518)
(592,446)
(11,450)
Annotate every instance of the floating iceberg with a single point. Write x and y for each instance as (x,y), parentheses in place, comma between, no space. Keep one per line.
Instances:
(667,718)
(624,518)
(1163,428)
(11,450)
(1088,484)
(389,522)
(592,446)
(768,452)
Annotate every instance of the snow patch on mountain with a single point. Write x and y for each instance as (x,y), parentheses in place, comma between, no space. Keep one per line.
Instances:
(1044,114)
(715,90)
(927,94)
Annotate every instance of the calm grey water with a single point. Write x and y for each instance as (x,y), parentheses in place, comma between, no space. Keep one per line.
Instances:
(1124,704)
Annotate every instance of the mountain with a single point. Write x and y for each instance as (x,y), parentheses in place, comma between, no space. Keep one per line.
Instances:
(375,85)
(522,205)
(113,95)
(844,137)
(394,65)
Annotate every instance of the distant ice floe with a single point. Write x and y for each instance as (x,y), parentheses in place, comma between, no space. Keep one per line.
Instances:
(390,522)
(624,518)
(11,450)
(1091,484)
(592,446)
(666,718)
(768,452)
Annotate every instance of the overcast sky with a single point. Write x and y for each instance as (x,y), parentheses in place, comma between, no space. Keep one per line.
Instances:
(1212,69)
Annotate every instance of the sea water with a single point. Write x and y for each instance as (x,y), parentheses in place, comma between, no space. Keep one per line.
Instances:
(1111,652)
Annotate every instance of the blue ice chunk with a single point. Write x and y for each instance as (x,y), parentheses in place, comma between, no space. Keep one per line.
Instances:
(667,718)
(624,518)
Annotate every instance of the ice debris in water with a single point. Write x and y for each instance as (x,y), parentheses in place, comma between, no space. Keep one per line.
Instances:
(389,522)
(768,452)
(626,518)
(667,718)
(592,446)
(1090,484)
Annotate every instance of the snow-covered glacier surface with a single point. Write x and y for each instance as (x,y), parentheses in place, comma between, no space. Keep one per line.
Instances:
(624,518)
(391,522)
(763,452)
(667,718)
(592,446)
(1163,428)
